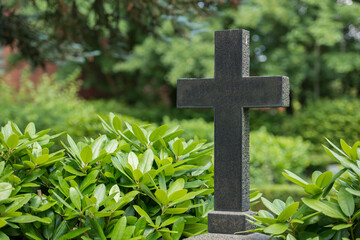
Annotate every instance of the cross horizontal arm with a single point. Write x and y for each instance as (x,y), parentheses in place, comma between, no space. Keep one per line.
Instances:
(265,91)
(254,92)
(195,93)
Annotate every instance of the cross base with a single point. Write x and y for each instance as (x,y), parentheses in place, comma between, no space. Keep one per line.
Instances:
(228,222)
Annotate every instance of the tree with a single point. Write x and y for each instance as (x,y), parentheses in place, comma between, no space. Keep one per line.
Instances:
(95,34)
(315,43)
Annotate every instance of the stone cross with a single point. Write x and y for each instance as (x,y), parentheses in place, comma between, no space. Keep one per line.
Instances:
(231,93)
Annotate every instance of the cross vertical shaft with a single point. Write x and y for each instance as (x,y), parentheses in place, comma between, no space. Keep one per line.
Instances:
(232,187)
(231,124)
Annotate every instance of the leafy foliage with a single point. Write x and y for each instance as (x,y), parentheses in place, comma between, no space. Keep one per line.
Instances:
(135,182)
(331,209)
(270,154)
(51,104)
(313,43)
(96,35)
(325,118)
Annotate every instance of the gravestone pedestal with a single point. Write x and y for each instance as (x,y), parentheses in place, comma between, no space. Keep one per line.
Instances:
(228,222)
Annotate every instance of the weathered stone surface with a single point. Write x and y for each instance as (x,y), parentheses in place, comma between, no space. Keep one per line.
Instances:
(231,93)
(228,222)
(217,236)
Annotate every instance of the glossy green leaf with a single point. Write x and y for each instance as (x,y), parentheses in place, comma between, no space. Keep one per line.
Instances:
(139,134)
(12,141)
(140,226)
(71,170)
(137,174)
(353,191)
(191,147)
(176,210)
(178,194)
(324,179)
(30,128)
(288,212)
(3,236)
(294,178)
(5,190)
(277,228)
(28,219)
(342,226)
(290,237)
(18,203)
(328,210)
(195,228)
(169,221)
(142,213)
(146,161)
(33,237)
(86,154)
(119,230)
(73,145)
(3,222)
(133,160)
(99,193)
(115,189)
(266,220)
(45,207)
(346,202)
(42,159)
(75,197)
(158,133)
(176,186)
(162,196)
(345,147)
(270,206)
(178,147)
(111,146)
(314,176)
(74,233)
(116,122)
(178,227)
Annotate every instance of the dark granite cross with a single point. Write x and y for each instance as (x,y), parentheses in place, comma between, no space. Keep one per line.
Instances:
(231,93)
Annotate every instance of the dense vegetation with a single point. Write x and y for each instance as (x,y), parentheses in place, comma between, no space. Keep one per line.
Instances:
(135,182)
(330,209)
(61,110)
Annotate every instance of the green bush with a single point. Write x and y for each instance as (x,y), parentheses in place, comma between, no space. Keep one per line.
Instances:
(333,118)
(270,154)
(330,209)
(51,104)
(135,182)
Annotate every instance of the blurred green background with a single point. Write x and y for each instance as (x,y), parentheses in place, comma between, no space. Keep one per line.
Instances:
(126,56)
